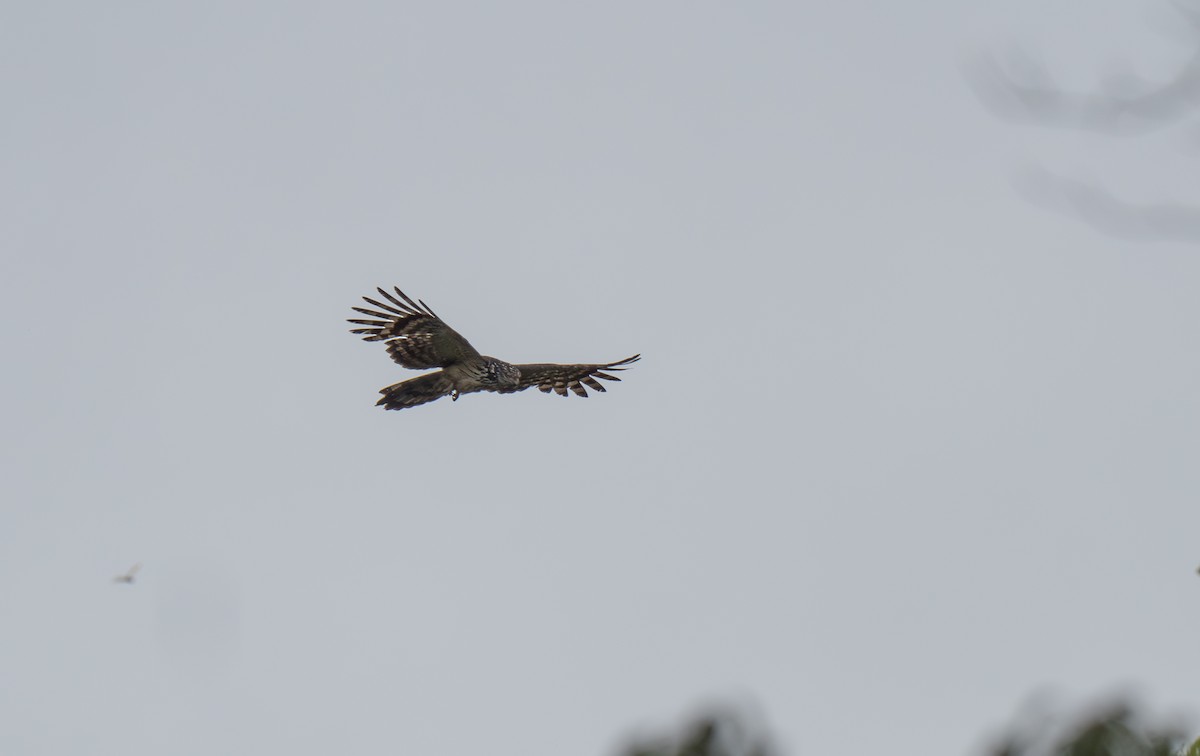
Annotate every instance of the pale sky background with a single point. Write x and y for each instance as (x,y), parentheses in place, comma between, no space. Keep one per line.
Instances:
(903,449)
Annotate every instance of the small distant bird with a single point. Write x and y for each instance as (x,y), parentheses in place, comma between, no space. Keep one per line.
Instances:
(128,576)
(418,339)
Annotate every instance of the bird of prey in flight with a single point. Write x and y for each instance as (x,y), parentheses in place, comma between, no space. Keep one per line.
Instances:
(418,339)
(128,576)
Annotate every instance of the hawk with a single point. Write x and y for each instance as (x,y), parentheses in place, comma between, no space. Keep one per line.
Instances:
(418,339)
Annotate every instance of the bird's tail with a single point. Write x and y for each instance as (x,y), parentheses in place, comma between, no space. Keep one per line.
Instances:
(416,391)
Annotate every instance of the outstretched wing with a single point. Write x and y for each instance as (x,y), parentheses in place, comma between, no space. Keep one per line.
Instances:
(559,378)
(416,337)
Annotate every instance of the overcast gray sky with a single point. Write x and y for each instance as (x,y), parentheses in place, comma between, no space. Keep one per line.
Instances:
(903,448)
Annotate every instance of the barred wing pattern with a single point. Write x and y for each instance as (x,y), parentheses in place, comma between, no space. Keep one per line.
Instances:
(559,378)
(416,337)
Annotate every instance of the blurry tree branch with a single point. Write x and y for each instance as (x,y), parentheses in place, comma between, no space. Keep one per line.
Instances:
(1114,729)
(1125,105)
(1100,209)
(717,733)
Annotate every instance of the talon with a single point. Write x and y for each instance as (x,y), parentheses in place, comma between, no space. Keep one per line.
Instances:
(454,395)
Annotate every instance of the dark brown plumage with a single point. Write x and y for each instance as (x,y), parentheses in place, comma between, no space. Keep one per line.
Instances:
(418,339)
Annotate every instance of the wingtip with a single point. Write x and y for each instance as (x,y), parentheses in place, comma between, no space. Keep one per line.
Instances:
(619,364)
